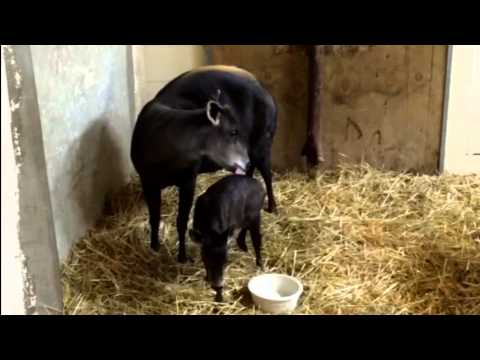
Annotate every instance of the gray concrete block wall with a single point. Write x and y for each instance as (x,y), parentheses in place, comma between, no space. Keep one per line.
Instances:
(85,99)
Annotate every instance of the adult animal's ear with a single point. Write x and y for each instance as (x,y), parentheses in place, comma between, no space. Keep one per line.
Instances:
(214,111)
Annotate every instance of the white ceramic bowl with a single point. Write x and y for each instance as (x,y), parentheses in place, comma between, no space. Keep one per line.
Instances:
(275,293)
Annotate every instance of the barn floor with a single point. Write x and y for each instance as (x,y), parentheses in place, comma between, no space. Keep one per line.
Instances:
(362,241)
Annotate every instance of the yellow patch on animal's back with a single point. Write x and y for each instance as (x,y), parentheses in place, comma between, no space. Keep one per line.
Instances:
(225,68)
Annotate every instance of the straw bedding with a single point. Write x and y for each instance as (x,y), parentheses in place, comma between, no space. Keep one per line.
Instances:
(362,241)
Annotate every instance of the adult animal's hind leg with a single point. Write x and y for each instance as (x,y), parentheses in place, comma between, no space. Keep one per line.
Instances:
(186,194)
(153,198)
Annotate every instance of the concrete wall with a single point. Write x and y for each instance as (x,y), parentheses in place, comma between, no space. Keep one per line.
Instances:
(382,104)
(68,113)
(29,236)
(156,65)
(12,255)
(84,98)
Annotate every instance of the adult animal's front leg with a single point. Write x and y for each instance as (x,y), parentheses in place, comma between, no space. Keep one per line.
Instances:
(186,194)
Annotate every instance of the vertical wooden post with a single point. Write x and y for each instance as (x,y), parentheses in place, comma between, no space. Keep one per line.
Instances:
(313,149)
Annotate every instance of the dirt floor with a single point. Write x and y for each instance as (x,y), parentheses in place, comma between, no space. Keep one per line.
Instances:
(362,241)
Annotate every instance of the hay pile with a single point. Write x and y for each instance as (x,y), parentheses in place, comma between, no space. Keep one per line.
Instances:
(363,241)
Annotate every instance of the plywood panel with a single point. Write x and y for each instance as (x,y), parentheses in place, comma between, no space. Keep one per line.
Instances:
(382,104)
(284,72)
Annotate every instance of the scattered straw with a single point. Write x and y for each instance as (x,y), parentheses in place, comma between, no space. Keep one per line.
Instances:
(362,241)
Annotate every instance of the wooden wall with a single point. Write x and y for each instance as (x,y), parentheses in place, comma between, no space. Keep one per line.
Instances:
(284,71)
(382,104)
